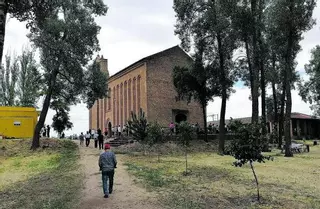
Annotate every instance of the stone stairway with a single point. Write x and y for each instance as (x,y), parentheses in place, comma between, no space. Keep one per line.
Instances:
(116,142)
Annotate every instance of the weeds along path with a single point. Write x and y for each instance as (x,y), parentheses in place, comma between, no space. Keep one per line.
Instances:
(125,193)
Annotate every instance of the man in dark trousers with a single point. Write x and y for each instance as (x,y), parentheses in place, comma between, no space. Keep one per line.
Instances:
(107,164)
(100,139)
(48,131)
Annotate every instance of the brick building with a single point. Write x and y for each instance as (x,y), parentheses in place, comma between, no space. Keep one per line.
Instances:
(145,84)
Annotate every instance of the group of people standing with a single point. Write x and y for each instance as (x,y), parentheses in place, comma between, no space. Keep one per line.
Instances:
(118,130)
(45,131)
(97,136)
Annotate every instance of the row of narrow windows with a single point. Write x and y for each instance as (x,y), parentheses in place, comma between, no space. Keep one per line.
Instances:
(122,99)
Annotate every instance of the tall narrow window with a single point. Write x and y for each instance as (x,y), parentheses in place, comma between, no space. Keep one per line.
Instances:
(101,113)
(138,92)
(118,100)
(121,104)
(114,106)
(129,98)
(134,94)
(109,99)
(125,92)
(105,104)
(98,118)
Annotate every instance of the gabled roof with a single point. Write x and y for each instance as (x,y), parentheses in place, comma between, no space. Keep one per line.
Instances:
(297,115)
(156,55)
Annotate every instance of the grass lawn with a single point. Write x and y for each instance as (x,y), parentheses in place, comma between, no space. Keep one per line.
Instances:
(214,183)
(46,178)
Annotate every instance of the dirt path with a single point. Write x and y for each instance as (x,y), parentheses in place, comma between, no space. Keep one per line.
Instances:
(125,193)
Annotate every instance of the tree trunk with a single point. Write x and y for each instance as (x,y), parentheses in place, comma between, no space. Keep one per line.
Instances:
(45,108)
(275,99)
(204,115)
(287,130)
(265,144)
(281,119)
(186,157)
(275,106)
(256,179)
(222,129)
(249,64)
(255,70)
(224,97)
(3,18)
(288,78)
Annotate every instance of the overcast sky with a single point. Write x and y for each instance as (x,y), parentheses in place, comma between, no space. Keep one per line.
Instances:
(132,30)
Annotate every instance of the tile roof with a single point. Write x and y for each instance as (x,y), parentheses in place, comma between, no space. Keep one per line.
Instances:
(146,59)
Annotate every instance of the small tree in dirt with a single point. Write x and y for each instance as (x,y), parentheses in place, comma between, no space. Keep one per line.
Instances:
(138,127)
(185,136)
(155,136)
(247,150)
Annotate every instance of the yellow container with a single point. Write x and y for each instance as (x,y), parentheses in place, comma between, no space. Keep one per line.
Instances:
(18,122)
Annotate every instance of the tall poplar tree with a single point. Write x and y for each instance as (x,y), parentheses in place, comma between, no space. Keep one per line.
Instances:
(212,18)
(67,39)
(290,19)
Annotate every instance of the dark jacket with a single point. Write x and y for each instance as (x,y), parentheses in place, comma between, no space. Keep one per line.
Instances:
(107,161)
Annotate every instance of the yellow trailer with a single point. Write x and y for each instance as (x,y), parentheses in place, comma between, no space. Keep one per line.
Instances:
(17,122)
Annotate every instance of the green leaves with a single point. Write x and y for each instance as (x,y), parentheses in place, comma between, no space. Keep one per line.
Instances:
(185,133)
(138,126)
(95,83)
(310,90)
(245,148)
(18,79)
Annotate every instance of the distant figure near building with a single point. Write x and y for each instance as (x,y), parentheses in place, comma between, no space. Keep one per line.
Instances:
(107,164)
(100,139)
(48,131)
(95,138)
(44,131)
(171,127)
(119,130)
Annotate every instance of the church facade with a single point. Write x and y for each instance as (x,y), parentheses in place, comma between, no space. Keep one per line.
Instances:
(145,84)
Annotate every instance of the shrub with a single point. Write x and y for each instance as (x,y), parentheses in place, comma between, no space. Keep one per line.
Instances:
(185,135)
(247,148)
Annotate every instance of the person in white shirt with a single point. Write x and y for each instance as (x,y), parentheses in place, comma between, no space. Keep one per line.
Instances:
(119,130)
(95,137)
(88,137)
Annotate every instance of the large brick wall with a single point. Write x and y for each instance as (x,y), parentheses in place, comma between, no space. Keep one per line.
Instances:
(161,92)
(125,94)
(146,84)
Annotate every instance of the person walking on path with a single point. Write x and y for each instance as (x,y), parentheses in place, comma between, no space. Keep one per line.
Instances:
(107,164)
(88,136)
(81,137)
(95,137)
(100,139)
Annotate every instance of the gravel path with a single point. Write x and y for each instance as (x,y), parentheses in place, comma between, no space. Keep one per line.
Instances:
(125,194)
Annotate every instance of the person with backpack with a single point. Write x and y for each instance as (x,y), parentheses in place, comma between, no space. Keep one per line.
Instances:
(107,164)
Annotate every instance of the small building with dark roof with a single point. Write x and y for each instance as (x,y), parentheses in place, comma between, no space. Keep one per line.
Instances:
(302,125)
(145,84)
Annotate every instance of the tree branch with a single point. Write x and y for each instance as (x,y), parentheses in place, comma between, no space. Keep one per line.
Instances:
(65,77)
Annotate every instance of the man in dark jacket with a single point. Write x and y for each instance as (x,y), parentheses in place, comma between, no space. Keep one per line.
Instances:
(107,164)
